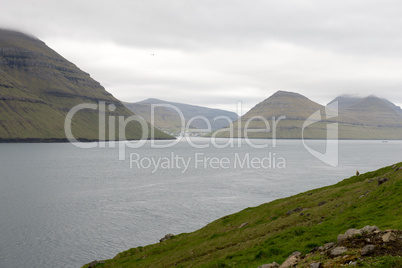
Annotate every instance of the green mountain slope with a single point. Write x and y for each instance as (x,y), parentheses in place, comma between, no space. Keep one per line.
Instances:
(366,118)
(169,119)
(37,89)
(295,107)
(272,231)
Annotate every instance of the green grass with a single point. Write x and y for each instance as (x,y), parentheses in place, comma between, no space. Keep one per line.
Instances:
(381,262)
(272,235)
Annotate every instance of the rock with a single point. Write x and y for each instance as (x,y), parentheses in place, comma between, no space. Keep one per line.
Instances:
(328,246)
(269,265)
(367,250)
(341,238)
(369,229)
(322,203)
(398,168)
(168,236)
(294,210)
(292,260)
(354,263)
(320,248)
(338,251)
(388,237)
(381,181)
(316,265)
(352,232)
(243,225)
(93,264)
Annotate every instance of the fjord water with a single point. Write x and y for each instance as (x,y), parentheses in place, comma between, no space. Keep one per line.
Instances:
(63,206)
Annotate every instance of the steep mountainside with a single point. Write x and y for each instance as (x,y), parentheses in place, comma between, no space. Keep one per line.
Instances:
(37,89)
(168,119)
(357,118)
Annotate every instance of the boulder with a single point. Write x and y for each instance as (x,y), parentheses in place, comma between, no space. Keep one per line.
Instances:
(243,225)
(294,210)
(341,238)
(388,237)
(93,264)
(166,237)
(369,229)
(316,265)
(328,246)
(338,251)
(353,232)
(381,181)
(269,265)
(292,260)
(367,250)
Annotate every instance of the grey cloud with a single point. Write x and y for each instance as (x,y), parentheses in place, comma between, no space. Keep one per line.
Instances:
(227,49)
(351,25)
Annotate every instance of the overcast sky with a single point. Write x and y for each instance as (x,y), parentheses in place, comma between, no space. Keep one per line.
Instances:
(217,52)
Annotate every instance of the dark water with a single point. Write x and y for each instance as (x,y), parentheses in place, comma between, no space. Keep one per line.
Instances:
(63,206)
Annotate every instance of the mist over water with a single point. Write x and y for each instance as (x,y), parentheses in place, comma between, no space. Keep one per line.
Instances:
(62,206)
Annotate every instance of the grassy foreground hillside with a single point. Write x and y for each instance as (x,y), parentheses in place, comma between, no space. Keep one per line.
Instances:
(272,231)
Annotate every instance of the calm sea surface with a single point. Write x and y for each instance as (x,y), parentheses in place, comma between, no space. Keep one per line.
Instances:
(63,206)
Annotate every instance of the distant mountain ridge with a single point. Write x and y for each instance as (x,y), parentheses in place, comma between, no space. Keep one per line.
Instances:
(37,89)
(290,104)
(370,110)
(168,119)
(358,118)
